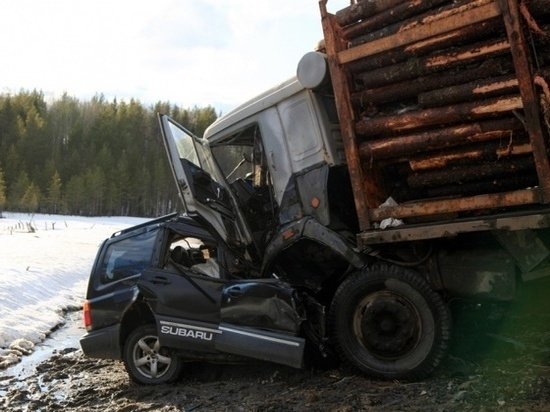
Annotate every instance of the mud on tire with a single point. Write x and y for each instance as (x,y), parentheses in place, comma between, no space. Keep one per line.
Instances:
(389,323)
(146,361)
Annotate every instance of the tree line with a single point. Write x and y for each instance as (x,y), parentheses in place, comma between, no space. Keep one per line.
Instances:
(92,158)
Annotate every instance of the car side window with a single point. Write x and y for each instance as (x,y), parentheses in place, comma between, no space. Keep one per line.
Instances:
(127,257)
(187,253)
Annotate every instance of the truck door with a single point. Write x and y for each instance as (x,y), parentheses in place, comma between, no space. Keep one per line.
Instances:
(202,188)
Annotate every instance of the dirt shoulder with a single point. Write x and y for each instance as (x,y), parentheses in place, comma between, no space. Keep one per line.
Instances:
(500,361)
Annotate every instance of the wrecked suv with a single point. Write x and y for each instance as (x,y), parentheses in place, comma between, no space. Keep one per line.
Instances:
(169,290)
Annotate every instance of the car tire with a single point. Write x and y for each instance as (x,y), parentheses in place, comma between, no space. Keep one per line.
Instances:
(388,322)
(146,361)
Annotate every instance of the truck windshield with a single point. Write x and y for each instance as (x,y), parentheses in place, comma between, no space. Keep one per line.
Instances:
(240,156)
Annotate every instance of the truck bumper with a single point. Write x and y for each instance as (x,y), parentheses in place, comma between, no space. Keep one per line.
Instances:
(103,343)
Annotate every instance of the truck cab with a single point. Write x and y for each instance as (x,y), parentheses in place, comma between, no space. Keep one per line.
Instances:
(271,178)
(280,160)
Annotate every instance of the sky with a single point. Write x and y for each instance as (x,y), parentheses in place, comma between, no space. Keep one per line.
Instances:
(186,52)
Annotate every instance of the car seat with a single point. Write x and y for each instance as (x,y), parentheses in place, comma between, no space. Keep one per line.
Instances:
(180,256)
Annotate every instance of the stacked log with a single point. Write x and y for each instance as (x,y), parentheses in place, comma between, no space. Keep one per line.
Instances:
(445,98)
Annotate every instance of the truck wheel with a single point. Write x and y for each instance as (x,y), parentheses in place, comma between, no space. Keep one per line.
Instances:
(146,361)
(389,323)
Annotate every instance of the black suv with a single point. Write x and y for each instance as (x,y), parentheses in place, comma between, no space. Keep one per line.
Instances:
(168,291)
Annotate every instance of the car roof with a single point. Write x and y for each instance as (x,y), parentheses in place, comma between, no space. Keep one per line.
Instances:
(187,226)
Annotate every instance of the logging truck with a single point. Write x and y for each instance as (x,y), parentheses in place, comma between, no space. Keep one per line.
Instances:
(406,164)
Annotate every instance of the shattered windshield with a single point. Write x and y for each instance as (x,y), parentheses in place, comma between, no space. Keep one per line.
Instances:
(191,149)
(184,143)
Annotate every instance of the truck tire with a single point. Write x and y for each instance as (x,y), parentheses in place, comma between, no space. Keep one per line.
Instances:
(389,323)
(146,361)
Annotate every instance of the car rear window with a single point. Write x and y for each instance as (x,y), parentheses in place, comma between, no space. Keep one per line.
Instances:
(127,257)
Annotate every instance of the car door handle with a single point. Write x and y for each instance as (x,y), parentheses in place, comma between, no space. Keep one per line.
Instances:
(158,280)
(235,292)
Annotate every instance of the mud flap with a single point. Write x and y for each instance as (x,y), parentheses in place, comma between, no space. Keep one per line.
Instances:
(481,274)
(528,250)
(262,345)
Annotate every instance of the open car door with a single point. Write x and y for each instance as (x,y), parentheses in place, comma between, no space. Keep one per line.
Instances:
(202,187)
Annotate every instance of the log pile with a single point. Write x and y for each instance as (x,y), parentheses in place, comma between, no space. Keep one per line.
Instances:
(444,105)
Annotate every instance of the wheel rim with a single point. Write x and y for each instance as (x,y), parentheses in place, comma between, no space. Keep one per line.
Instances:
(149,358)
(387,324)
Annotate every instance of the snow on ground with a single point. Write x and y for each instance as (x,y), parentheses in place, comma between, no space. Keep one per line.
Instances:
(44,273)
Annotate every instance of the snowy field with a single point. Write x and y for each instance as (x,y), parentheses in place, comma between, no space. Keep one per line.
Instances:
(45,261)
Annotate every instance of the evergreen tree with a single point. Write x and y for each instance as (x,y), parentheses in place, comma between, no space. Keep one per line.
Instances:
(54,194)
(75,196)
(93,157)
(18,191)
(122,178)
(94,182)
(202,118)
(30,200)
(2,191)
(12,166)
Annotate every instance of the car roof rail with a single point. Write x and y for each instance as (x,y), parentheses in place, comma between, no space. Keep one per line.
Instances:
(147,223)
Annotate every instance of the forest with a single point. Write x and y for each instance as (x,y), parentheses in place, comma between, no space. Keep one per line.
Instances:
(91,158)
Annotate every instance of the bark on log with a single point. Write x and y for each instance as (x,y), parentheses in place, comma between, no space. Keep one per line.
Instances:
(465,204)
(419,33)
(432,16)
(463,112)
(448,137)
(514,182)
(412,88)
(363,10)
(488,152)
(387,17)
(434,63)
(480,89)
(469,173)
(455,38)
